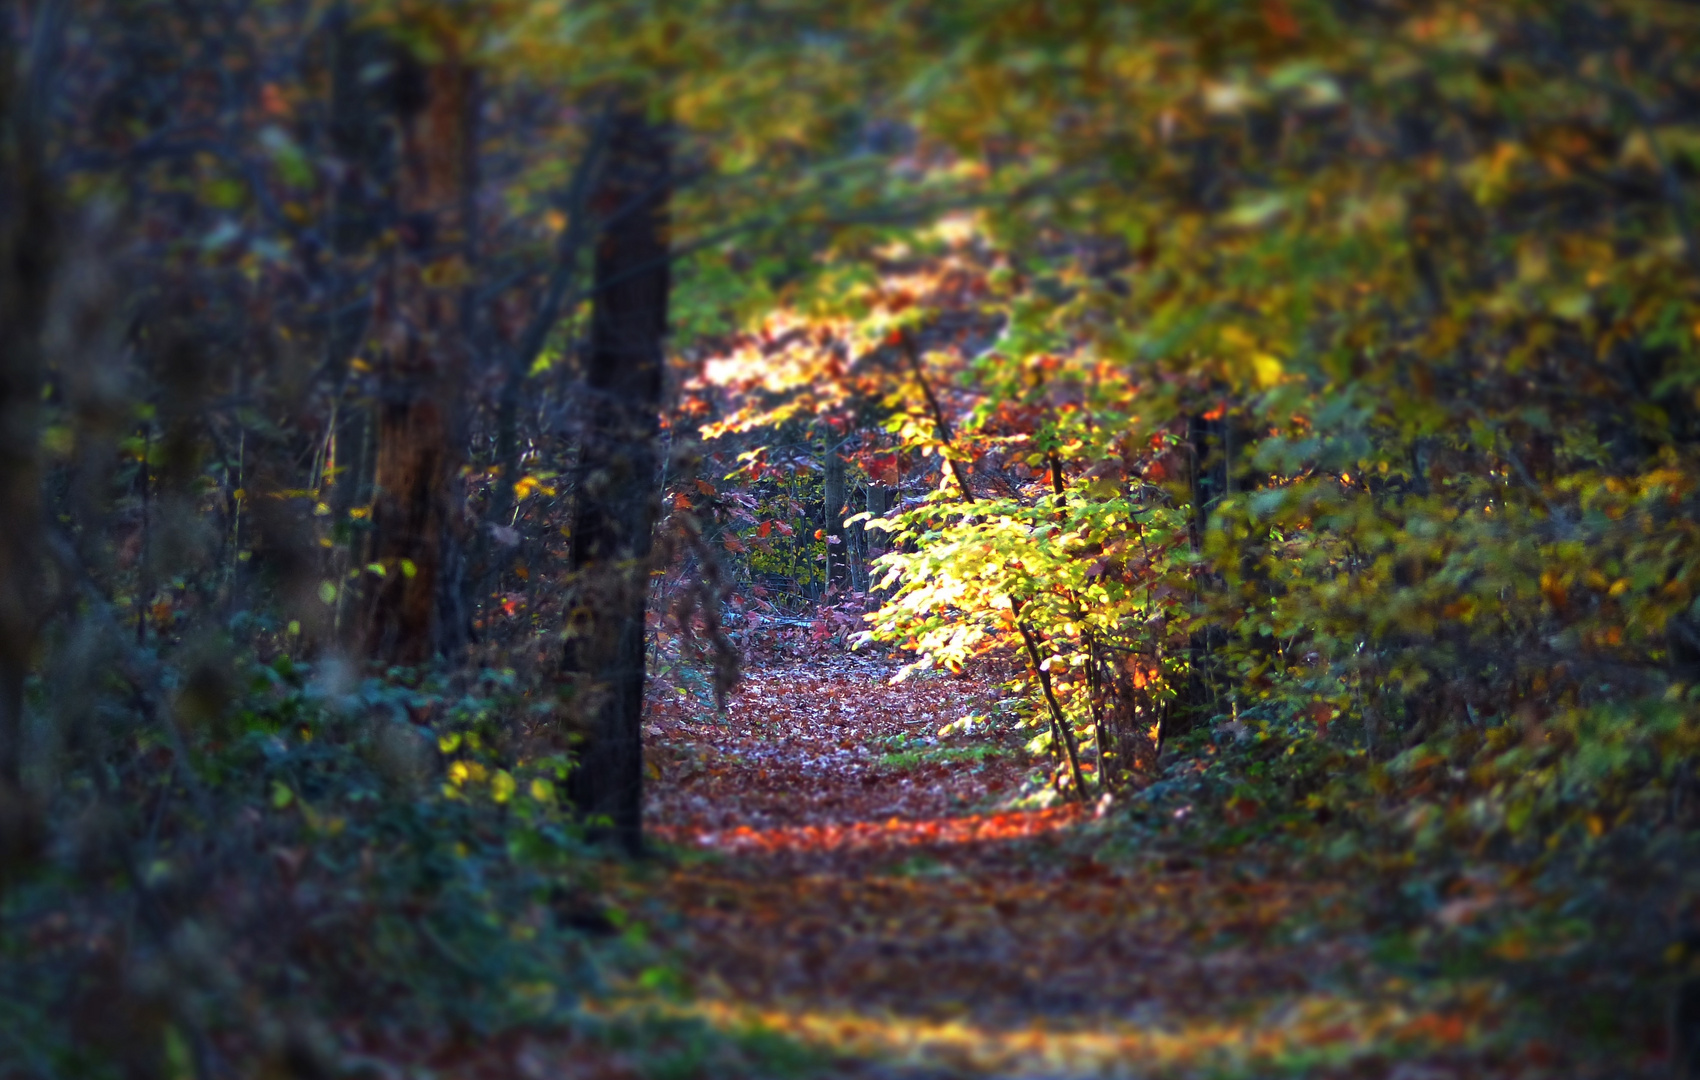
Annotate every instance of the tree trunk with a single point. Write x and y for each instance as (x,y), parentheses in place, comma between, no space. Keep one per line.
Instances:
(28,256)
(1685,1031)
(837,550)
(618,491)
(415,521)
(27,248)
(879,505)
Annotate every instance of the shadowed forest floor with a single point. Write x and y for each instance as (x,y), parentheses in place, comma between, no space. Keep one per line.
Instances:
(841,878)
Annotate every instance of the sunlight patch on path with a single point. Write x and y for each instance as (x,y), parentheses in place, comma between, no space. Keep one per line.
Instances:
(1317,1031)
(876,835)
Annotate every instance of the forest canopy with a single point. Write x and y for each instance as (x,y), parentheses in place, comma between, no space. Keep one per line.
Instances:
(1293,405)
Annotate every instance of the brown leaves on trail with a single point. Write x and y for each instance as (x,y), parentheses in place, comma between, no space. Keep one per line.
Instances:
(828,747)
(1000,938)
(879,898)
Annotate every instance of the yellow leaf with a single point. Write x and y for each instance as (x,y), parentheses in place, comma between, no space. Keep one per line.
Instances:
(1267,369)
(446,273)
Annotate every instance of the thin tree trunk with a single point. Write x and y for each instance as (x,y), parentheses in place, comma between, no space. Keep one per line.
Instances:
(617,490)
(1100,733)
(837,550)
(879,504)
(945,435)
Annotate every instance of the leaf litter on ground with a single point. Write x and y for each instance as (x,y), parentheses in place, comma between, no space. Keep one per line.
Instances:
(916,909)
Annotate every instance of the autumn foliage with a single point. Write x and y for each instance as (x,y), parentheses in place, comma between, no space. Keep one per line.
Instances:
(1196,486)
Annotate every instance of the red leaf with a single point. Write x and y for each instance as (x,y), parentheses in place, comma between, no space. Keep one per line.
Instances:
(1279,19)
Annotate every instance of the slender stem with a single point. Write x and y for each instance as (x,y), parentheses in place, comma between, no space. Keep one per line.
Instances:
(568,245)
(946,437)
(143,592)
(1093,684)
(940,421)
(1057,718)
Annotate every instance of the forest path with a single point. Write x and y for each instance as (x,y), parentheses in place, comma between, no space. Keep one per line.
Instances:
(858,890)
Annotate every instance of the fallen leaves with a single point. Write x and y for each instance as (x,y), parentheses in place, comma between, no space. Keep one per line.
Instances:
(847,882)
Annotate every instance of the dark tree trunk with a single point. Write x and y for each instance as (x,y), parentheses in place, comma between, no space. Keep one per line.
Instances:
(1685,1031)
(618,488)
(28,256)
(837,549)
(27,247)
(416,524)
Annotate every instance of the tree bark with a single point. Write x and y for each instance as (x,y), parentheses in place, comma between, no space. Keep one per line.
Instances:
(879,505)
(837,549)
(416,528)
(618,491)
(27,248)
